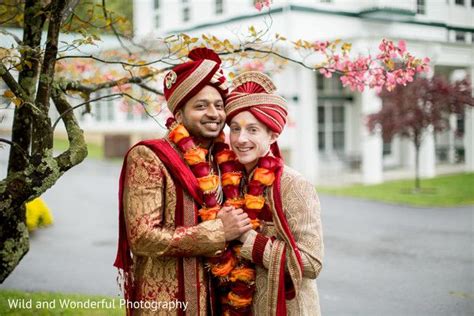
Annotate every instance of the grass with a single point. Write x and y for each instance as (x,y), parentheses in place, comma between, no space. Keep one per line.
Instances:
(95,151)
(450,190)
(45,303)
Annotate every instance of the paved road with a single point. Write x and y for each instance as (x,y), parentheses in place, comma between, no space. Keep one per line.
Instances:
(380,259)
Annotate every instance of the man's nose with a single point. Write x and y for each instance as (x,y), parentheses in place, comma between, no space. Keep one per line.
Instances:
(242,137)
(212,111)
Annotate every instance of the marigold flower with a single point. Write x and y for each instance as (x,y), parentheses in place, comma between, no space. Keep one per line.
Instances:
(255,223)
(208,183)
(238,301)
(178,133)
(201,169)
(243,289)
(255,188)
(265,176)
(225,155)
(254,202)
(186,144)
(243,274)
(268,162)
(223,269)
(231,178)
(195,156)
(210,199)
(220,138)
(208,213)
(235,202)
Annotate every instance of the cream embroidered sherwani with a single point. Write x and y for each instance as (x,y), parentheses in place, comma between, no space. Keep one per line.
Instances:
(302,210)
(149,191)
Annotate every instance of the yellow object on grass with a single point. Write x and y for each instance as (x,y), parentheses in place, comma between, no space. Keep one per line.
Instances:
(38,214)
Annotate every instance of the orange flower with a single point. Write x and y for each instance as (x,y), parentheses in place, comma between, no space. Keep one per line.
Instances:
(208,213)
(231,178)
(254,202)
(220,138)
(225,155)
(246,275)
(264,176)
(178,133)
(237,203)
(237,301)
(237,249)
(195,156)
(255,223)
(223,269)
(208,183)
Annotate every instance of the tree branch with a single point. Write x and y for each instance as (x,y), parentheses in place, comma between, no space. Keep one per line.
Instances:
(13,84)
(77,86)
(77,150)
(13,144)
(104,9)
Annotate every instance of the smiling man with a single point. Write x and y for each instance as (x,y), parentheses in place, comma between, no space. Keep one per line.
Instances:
(162,245)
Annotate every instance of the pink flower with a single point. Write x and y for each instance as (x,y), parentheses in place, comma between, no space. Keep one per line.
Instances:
(402,46)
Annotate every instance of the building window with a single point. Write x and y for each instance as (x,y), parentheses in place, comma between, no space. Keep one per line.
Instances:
(219,6)
(460,36)
(156,12)
(459,2)
(331,130)
(186,10)
(420,7)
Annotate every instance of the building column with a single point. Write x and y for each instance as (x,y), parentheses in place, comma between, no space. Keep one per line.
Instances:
(305,145)
(426,160)
(452,139)
(469,131)
(372,144)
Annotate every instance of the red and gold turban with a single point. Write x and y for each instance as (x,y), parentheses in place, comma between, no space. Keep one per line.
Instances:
(185,80)
(255,92)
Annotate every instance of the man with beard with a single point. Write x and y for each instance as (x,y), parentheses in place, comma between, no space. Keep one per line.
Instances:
(162,245)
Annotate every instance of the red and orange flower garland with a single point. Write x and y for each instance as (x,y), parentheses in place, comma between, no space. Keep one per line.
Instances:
(236,275)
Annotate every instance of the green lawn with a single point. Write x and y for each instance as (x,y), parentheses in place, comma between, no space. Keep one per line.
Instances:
(43,303)
(95,151)
(450,190)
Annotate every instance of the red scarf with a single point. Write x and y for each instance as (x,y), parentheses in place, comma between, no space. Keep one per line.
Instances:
(284,292)
(184,180)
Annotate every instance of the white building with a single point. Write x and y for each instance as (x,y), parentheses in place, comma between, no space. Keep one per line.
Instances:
(327,136)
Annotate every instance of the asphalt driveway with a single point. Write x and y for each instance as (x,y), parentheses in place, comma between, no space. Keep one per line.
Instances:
(379,259)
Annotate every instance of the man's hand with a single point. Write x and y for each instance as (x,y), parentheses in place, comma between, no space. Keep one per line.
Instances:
(236,222)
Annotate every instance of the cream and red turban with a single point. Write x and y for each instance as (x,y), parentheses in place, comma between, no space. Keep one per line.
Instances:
(185,80)
(255,92)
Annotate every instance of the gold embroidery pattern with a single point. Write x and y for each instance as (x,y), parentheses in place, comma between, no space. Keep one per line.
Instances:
(149,192)
(302,210)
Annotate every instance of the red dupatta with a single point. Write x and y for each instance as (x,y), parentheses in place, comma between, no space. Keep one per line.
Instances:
(184,180)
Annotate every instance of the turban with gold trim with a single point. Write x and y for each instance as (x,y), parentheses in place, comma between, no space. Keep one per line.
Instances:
(255,92)
(185,80)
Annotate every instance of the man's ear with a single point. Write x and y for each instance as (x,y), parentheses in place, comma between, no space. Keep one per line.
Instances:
(273,137)
(179,116)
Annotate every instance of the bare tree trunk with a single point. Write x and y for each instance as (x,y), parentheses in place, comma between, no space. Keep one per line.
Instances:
(417,167)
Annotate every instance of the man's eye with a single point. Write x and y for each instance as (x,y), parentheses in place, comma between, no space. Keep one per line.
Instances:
(219,106)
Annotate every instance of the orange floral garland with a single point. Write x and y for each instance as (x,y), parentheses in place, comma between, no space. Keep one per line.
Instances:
(238,282)
(195,157)
(236,275)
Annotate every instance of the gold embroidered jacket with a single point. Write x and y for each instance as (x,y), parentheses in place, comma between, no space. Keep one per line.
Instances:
(302,210)
(149,200)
